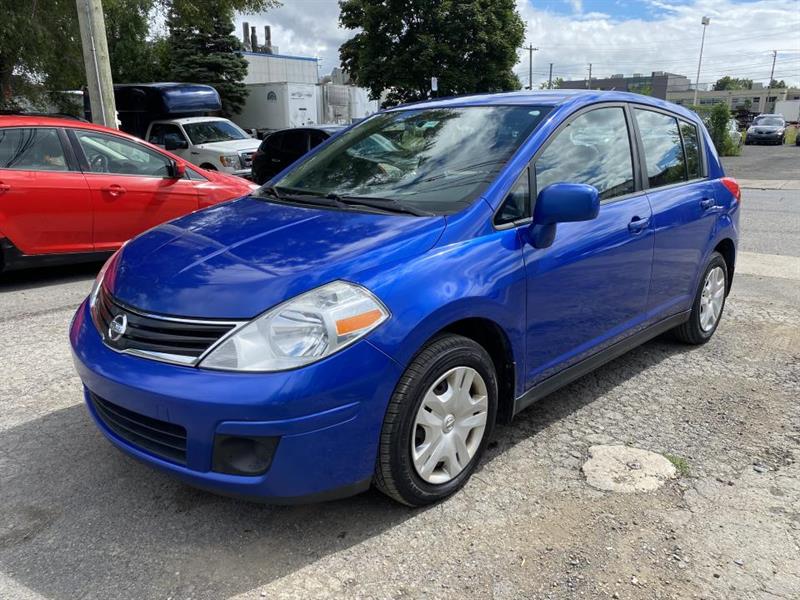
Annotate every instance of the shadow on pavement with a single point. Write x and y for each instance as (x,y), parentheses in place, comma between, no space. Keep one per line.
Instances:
(80,519)
(28,279)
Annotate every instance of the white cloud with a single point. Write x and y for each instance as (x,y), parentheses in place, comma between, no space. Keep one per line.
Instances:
(739,41)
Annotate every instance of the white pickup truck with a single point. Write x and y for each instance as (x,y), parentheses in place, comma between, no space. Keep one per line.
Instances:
(213,143)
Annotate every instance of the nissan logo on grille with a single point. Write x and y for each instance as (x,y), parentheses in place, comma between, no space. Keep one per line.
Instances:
(117,327)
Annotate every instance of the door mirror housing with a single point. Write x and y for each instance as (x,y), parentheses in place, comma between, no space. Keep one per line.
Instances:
(177,170)
(561,203)
(174,143)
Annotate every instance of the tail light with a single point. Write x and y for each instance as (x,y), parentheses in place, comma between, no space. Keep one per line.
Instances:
(733,187)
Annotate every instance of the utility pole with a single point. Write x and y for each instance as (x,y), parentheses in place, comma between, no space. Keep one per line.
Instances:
(550,78)
(704,21)
(771,77)
(589,82)
(530,50)
(96,61)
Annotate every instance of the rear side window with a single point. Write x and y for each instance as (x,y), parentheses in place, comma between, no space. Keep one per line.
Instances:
(691,147)
(594,149)
(295,142)
(161,132)
(274,142)
(31,149)
(663,151)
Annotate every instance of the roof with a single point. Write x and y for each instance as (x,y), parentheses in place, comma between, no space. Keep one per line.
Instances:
(42,121)
(186,120)
(557,97)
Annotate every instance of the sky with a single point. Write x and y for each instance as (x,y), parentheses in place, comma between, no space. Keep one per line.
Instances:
(616,36)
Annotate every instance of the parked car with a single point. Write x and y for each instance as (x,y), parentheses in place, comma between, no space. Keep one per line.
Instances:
(366,319)
(281,148)
(70,190)
(769,129)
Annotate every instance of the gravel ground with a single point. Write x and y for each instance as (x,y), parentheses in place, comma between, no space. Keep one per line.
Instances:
(80,520)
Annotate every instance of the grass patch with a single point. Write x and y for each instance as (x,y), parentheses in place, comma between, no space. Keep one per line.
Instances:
(680,464)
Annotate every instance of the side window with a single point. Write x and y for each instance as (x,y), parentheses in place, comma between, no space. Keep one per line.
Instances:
(111,154)
(274,141)
(662,148)
(517,203)
(194,175)
(31,149)
(317,137)
(296,142)
(691,147)
(594,149)
(161,132)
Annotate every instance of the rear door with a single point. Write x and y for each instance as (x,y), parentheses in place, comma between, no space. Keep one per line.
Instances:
(131,187)
(684,206)
(589,288)
(45,204)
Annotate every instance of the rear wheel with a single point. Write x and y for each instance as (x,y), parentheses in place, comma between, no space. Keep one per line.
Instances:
(708,304)
(438,422)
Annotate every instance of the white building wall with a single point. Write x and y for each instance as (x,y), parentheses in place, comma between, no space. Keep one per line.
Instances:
(279,68)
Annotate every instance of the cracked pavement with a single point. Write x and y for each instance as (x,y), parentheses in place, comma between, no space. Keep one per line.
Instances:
(80,520)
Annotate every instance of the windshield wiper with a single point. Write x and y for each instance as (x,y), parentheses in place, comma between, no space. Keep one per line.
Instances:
(387,204)
(312,199)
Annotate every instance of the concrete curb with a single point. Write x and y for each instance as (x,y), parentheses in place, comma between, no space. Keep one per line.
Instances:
(770,184)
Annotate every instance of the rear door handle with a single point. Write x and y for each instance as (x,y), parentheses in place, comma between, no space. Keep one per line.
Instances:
(707,203)
(637,224)
(4,187)
(114,190)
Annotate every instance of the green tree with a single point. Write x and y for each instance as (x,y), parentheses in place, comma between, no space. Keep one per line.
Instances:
(774,83)
(205,51)
(135,55)
(557,83)
(732,83)
(39,50)
(468,45)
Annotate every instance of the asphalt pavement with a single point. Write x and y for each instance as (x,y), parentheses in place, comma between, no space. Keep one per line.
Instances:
(78,519)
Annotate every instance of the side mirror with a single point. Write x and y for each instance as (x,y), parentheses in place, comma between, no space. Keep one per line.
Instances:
(174,143)
(561,203)
(177,170)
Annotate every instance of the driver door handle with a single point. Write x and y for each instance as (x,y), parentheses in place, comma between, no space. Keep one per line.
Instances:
(637,225)
(114,190)
(4,187)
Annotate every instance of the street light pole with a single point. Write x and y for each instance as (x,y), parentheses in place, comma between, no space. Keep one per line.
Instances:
(704,21)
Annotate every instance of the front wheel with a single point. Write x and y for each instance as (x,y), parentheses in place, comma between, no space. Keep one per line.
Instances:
(708,304)
(438,422)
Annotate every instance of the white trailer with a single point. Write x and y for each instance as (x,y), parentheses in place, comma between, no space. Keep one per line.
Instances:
(273,106)
(790,109)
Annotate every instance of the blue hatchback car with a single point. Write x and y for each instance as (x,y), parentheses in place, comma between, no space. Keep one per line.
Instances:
(369,315)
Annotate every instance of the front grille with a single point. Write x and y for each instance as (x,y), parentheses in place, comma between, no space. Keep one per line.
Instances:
(159,337)
(163,439)
(246,159)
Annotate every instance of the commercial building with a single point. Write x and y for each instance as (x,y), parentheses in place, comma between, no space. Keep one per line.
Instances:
(759,99)
(658,84)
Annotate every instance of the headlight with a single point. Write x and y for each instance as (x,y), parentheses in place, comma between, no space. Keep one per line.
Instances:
(300,331)
(229,160)
(751,129)
(98,281)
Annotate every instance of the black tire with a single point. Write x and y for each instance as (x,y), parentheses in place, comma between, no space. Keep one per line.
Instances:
(395,474)
(691,331)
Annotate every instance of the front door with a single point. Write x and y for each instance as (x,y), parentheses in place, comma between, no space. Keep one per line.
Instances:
(590,288)
(45,204)
(132,190)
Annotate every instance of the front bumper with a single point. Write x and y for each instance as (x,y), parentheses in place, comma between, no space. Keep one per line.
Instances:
(327,416)
(754,138)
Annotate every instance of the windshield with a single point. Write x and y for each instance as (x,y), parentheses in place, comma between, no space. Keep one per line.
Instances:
(769,121)
(207,132)
(436,160)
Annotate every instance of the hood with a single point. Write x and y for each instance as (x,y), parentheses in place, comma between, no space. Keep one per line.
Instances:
(236,260)
(249,144)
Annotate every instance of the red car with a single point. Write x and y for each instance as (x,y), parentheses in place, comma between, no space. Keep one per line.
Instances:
(71,190)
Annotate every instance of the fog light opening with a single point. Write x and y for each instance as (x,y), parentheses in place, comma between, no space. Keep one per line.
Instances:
(240,455)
